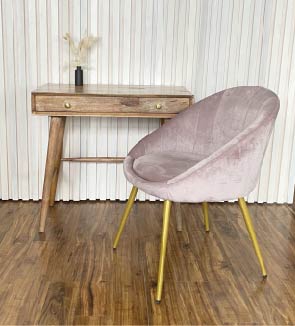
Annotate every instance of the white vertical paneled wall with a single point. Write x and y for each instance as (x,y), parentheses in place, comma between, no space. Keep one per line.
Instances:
(205,45)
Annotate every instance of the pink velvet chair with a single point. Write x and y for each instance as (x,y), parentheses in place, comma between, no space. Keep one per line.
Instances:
(212,151)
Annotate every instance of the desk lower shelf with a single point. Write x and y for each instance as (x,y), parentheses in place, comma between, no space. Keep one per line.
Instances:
(94,159)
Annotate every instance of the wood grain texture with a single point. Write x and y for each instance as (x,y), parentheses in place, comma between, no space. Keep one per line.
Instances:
(73,100)
(178,216)
(77,115)
(94,159)
(57,161)
(55,141)
(112,105)
(113,90)
(71,275)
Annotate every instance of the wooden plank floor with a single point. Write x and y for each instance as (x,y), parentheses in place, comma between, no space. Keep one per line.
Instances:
(72,275)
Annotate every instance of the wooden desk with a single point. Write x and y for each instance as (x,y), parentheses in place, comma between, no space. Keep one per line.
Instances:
(60,101)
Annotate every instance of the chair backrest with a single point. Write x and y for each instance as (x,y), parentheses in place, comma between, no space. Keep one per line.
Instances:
(214,121)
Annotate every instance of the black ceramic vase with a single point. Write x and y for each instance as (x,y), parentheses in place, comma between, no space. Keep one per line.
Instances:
(78,76)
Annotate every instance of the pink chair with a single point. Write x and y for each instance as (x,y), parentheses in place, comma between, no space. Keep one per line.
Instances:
(212,151)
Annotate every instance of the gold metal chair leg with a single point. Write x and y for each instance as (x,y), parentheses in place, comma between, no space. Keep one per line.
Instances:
(252,234)
(206,216)
(166,216)
(125,215)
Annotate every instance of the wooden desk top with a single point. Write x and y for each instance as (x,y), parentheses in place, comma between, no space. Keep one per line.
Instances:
(113,90)
(110,100)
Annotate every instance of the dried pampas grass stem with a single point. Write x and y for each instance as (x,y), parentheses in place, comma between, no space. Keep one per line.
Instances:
(79,51)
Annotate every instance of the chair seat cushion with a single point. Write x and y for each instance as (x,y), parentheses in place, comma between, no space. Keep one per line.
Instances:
(163,166)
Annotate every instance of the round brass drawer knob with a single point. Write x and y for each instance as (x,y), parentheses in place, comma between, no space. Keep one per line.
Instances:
(67,105)
(159,106)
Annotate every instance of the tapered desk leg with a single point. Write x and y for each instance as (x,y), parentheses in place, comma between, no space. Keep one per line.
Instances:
(178,217)
(56,125)
(59,148)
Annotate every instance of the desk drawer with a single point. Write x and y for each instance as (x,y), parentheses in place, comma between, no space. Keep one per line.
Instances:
(102,105)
